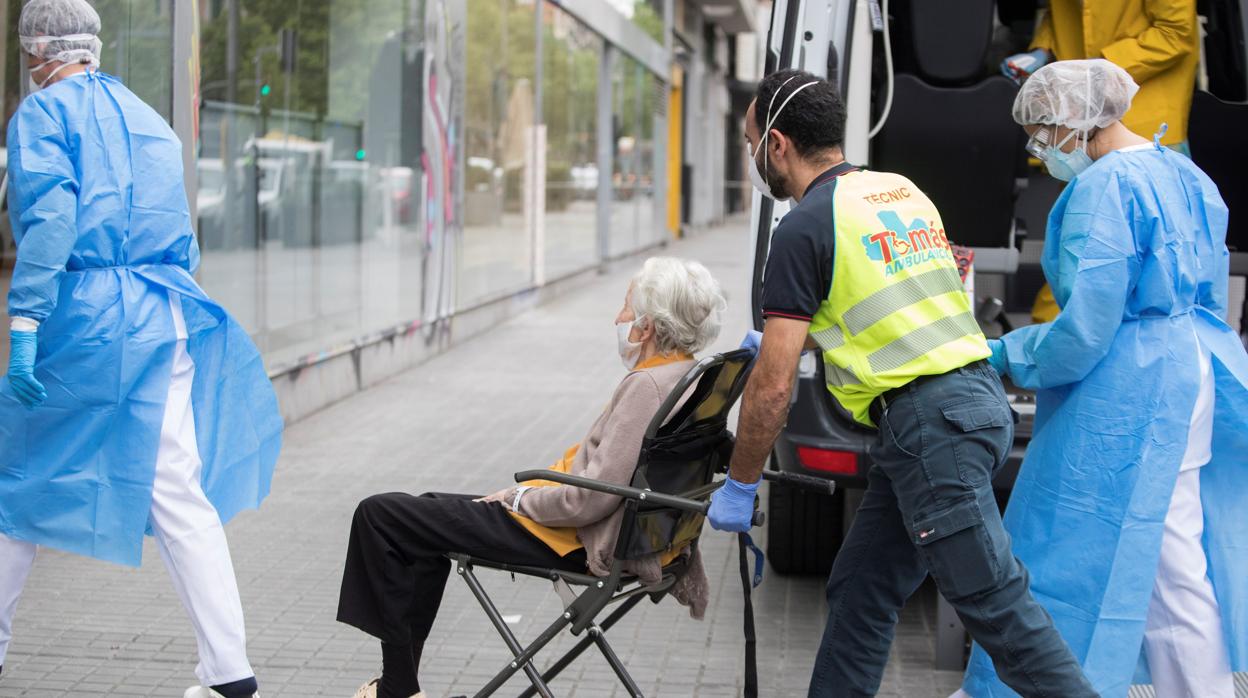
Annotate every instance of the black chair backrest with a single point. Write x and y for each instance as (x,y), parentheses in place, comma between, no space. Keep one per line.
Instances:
(950,39)
(686,444)
(950,129)
(1219,142)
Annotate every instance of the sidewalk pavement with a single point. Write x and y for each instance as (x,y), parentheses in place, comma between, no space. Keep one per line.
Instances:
(509,400)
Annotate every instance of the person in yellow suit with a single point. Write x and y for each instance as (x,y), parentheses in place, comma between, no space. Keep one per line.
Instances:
(1156,41)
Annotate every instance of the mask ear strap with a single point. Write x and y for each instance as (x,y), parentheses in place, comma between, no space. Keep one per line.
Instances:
(767,127)
(772,103)
(772,119)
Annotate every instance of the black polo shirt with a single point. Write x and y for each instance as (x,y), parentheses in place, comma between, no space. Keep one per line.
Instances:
(798,275)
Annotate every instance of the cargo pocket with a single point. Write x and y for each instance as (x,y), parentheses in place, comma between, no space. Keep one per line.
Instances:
(981,431)
(955,546)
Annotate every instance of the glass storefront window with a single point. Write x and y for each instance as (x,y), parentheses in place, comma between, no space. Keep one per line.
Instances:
(634,103)
(315,176)
(396,164)
(500,121)
(137,40)
(571,58)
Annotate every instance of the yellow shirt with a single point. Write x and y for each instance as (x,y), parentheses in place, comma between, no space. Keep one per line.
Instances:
(1156,41)
(562,539)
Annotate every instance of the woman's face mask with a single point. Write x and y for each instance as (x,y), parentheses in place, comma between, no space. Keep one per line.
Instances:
(630,352)
(31,85)
(1060,164)
(36,86)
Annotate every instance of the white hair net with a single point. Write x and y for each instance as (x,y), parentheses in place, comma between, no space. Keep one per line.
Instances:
(1080,95)
(60,30)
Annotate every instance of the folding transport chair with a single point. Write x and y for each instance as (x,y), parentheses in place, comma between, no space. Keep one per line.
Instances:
(664,508)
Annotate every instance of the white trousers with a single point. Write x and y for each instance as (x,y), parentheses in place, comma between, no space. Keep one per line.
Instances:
(1184,638)
(188,534)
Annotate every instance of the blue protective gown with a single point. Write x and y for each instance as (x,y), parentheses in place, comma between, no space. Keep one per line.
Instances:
(103,234)
(1136,255)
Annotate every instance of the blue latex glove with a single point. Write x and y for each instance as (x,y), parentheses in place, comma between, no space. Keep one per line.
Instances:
(997,360)
(22,368)
(732,506)
(1020,66)
(753,340)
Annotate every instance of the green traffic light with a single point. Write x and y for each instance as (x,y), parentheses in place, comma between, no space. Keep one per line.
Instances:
(265,89)
(359,154)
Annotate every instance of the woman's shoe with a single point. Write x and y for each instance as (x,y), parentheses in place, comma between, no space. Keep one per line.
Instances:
(369,690)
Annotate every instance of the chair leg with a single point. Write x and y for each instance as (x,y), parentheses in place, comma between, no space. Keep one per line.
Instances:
(596,634)
(566,660)
(524,657)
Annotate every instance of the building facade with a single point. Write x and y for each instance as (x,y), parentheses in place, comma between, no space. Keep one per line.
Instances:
(374,179)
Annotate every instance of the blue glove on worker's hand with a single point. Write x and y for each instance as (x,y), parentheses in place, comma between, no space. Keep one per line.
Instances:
(997,360)
(753,341)
(22,346)
(732,506)
(1020,66)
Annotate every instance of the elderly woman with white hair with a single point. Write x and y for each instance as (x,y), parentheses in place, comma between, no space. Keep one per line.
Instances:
(1130,507)
(396,567)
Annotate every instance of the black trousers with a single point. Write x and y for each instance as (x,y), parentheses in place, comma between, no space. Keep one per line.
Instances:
(397,567)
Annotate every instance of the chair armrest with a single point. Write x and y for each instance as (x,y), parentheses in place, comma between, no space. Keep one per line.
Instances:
(647,496)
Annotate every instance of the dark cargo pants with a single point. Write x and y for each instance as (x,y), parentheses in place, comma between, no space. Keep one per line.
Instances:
(929,508)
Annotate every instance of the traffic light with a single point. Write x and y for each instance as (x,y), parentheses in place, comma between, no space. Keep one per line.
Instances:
(265,89)
(359,154)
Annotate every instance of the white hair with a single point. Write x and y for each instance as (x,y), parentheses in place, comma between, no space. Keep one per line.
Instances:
(681,300)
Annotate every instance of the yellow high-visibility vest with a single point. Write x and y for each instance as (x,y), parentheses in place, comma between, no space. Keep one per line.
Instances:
(896,309)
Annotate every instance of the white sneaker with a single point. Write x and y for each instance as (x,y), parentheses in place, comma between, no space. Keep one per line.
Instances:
(369,690)
(205,692)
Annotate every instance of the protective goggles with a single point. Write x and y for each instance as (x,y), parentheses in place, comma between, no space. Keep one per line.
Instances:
(1043,138)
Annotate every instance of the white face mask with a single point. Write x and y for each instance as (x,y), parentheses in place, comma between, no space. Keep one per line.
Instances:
(630,352)
(36,86)
(32,86)
(757,177)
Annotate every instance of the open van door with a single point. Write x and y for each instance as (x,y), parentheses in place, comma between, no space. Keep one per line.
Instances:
(823,37)
(832,39)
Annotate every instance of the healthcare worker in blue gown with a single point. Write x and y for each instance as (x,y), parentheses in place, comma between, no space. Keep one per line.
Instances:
(1131,507)
(133,402)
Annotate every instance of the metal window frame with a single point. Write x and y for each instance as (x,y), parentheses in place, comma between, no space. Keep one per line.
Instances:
(185,109)
(620,32)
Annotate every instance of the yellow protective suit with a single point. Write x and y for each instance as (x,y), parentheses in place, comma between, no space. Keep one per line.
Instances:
(1045,308)
(1156,41)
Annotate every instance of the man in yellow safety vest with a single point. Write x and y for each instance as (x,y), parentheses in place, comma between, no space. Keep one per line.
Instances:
(861,269)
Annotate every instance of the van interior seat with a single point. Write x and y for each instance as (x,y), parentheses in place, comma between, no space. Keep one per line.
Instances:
(950,129)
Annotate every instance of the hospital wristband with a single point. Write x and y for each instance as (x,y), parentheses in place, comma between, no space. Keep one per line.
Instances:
(515,502)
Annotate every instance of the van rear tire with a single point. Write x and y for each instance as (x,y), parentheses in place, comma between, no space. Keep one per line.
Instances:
(804,529)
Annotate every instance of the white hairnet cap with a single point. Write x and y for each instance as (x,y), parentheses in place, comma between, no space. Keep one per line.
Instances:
(60,30)
(1081,95)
